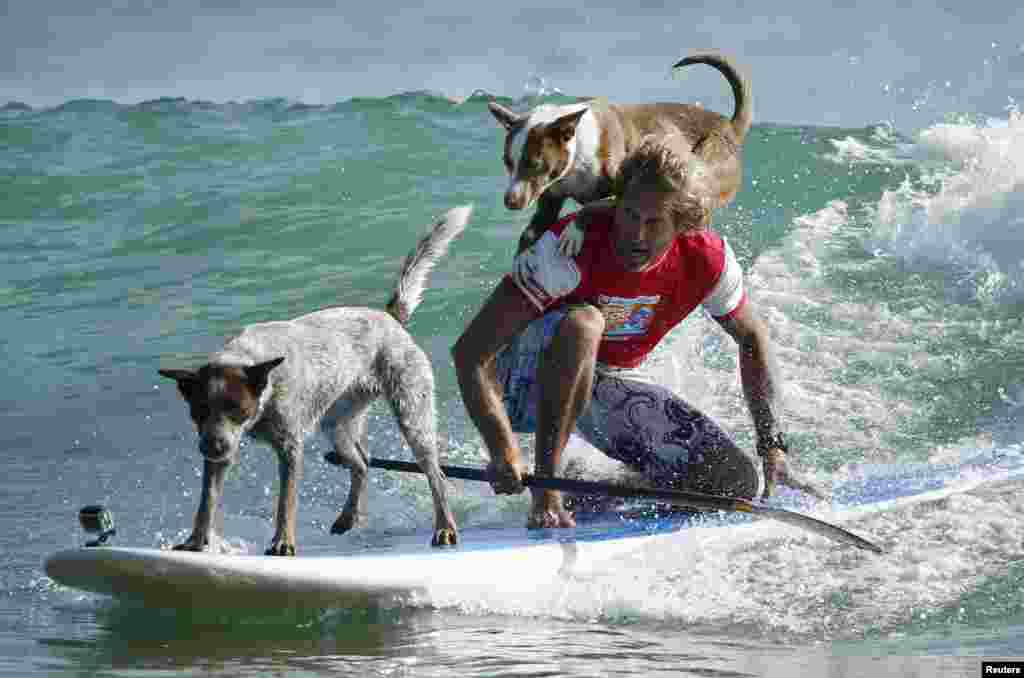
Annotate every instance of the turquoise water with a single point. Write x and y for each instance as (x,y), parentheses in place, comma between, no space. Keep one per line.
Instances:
(889,264)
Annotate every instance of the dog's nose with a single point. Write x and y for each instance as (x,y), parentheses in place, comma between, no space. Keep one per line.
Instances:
(215,449)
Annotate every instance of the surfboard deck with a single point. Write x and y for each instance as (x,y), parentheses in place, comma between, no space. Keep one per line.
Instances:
(187,579)
(405,567)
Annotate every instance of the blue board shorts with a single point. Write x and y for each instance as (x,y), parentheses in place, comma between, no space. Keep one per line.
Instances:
(643,425)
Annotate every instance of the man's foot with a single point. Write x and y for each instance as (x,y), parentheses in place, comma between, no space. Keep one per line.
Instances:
(550,519)
(546,511)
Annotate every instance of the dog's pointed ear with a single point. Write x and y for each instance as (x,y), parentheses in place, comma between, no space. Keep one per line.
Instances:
(258,375)
(507,118)
(565,127)
(186,379)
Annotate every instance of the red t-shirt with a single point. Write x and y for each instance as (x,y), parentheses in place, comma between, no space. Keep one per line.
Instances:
(640,307)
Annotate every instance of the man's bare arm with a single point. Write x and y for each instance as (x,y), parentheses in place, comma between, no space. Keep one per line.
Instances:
(758,370)
(761,384)
(505,313)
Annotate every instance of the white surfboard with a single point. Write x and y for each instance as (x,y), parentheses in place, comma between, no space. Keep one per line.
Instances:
(485,559)
(186,579)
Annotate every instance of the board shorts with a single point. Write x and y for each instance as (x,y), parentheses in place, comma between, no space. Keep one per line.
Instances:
(643,425)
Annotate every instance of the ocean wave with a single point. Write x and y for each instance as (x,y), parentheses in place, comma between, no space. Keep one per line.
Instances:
(15,107)
(963,216)
(880,144)
(536,91)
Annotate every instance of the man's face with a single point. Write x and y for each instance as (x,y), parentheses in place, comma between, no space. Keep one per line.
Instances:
(643,228)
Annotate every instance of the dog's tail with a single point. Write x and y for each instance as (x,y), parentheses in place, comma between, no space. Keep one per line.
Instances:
(743,115)
(418,263)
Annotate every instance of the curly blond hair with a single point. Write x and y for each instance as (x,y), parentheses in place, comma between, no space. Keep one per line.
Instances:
(667,164)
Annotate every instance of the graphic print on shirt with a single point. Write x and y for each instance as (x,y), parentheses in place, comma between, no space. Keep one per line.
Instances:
(627,317)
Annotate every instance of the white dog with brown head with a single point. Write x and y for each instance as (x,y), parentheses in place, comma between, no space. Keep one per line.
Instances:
(277,381)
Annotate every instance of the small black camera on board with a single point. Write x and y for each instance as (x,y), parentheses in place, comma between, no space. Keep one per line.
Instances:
(97,520)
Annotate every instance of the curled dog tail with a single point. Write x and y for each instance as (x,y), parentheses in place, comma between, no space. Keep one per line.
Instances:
(743,115)
(418,263)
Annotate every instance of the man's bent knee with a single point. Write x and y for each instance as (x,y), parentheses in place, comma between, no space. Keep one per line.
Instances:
(734,473)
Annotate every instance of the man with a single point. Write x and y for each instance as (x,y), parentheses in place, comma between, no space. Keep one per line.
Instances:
(561,341)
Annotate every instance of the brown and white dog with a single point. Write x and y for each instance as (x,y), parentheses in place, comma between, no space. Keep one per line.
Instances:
(277,381)
(575,150)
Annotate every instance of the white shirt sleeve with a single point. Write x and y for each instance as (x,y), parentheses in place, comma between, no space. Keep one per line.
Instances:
(543,273)
(728,293)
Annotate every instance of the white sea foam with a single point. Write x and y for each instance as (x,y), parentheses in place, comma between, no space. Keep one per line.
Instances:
(965,216)
(769,578)
(885,147)
(539,86)
(815,334)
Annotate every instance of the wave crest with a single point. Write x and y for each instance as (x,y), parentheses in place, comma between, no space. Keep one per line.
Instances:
(965,213)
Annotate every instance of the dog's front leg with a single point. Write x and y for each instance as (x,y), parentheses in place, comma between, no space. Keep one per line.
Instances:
(548,208)
(289,466)
(209,507)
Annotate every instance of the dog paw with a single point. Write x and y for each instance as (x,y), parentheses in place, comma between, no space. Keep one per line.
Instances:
(193,543)
(347,521)
(446,536)
(280,549)
(571,241)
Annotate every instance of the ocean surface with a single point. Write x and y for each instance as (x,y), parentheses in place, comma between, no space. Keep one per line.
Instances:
(888,262)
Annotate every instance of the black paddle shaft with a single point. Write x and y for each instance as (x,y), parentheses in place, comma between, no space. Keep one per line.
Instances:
(706,502)
(695,500)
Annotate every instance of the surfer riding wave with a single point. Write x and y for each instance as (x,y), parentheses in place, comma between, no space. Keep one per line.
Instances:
(558,345)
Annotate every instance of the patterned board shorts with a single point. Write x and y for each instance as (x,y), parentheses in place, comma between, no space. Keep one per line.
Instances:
(645,426)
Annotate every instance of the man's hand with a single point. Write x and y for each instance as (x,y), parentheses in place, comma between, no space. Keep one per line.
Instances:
(776,472)
(506,475)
